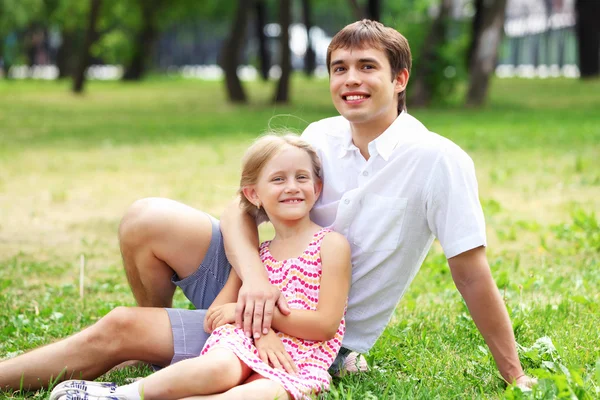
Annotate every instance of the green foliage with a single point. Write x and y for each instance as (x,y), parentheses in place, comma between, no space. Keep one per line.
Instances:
(583,234)
(412,19)
(555,380)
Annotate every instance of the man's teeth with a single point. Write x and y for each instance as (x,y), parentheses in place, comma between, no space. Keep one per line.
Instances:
(355,97)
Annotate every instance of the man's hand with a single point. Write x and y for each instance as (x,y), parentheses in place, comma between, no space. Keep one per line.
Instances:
(271,351)
(218,316)
(525,382)
(254,311)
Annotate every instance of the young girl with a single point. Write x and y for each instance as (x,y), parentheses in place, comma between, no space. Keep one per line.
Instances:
(309,264)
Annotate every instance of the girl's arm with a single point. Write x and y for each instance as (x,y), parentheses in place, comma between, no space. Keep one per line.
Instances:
(323,323)
(229,293)
(222,309)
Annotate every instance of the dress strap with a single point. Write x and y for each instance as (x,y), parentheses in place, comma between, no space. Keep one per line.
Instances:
(315,244)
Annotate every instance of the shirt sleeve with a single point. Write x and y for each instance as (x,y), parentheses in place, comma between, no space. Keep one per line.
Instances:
(454,213)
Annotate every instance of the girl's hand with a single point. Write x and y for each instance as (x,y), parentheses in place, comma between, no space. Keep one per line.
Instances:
(218,316)
(271,351)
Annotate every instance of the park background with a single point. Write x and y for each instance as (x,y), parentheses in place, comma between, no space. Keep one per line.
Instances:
(103,102)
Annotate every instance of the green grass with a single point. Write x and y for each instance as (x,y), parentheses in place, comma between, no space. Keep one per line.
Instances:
(69,167)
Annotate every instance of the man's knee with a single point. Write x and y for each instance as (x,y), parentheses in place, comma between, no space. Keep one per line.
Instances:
(138,221)
(113,331)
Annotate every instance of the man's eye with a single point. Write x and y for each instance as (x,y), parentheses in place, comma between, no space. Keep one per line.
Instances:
(367,66)
(338,69)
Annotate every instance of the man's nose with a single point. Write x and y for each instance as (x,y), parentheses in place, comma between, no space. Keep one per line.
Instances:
(352,77)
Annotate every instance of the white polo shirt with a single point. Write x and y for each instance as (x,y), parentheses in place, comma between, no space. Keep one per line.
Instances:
(415,186)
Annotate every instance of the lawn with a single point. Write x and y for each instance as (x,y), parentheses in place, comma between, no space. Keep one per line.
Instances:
(70,166)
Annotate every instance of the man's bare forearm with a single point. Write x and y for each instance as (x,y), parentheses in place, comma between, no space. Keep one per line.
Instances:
(492,320)
(240,236)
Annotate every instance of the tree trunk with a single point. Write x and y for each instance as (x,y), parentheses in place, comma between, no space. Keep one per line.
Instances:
(3,67)
(64,58)
(422,86)
(282,94)
(588,35)
(485,53)
(261,21)
(310,57)
(144,41)
(231,52)
(374,10)
(475,29)
(91,36)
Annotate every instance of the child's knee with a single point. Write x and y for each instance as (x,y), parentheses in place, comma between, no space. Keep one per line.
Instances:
(258,387)
(226,367)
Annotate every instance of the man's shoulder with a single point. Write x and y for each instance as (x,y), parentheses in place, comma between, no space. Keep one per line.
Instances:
(331,125)
(427,142)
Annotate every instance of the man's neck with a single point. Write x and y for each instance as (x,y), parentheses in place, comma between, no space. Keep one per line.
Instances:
(363,134)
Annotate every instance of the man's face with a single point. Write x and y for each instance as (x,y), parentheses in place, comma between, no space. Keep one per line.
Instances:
(361,86)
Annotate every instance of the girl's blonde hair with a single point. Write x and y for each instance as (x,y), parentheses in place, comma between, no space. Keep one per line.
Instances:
(259,153)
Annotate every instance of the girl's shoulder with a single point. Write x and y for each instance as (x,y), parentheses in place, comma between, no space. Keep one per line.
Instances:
(332,240)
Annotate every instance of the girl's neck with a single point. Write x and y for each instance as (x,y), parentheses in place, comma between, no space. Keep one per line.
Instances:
(292,238)
(294,230)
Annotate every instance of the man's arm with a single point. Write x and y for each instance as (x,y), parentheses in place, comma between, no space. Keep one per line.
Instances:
(257,297)
(473,279)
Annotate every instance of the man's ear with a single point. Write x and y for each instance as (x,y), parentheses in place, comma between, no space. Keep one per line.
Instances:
(250,194)
(402,80)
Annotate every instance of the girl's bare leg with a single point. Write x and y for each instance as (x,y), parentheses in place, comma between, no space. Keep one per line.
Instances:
(256,387)
(215,372)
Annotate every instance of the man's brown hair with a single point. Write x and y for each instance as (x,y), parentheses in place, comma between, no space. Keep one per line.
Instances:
(366,33)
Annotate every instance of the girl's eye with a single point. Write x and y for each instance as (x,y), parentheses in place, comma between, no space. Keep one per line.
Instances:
(302,177)
(277,179)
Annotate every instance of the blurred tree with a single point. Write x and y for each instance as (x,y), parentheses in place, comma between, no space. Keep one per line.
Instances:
(423,85)
(357,11)
(91,35)
(230,53)
(263,51)
(374,10)
(588,36)
(15,17)
(150,11)
(371,10)
(68,18)
(485,48)
(282,93)
(310,56)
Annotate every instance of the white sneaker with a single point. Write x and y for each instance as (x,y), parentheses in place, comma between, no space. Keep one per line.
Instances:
(85,390)
(353,364)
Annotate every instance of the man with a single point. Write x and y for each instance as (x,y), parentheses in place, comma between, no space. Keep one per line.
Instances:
(390,186)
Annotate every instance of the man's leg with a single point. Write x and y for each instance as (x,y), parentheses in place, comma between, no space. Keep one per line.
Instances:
(160,237)
(123,334)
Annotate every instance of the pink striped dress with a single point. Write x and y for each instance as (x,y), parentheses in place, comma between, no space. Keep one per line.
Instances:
(299,280)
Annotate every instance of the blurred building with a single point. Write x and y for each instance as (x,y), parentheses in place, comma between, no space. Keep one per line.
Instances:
(540,39)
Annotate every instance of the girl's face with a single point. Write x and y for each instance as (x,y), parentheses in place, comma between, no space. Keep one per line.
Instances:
(286,187)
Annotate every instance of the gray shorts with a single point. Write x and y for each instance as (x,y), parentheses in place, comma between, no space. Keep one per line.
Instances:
(200,288)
